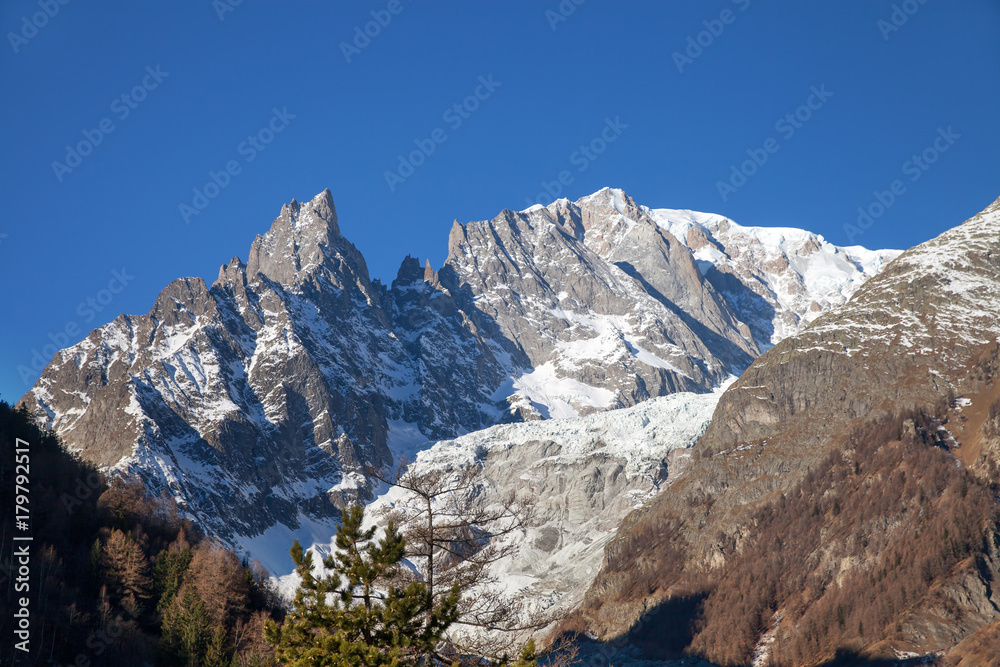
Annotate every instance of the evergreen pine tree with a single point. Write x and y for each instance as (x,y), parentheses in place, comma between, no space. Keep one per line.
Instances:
(168,572)
(186,629)
(365,613)
(217,653)
(528,657)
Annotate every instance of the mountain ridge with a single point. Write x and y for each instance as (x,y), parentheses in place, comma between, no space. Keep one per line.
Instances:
(260,399)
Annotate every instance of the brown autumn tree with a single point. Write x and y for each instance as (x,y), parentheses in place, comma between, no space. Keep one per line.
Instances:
(126,569)
(222,581)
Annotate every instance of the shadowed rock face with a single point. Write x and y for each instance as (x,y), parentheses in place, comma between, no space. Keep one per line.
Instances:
(918,337)
(260,400)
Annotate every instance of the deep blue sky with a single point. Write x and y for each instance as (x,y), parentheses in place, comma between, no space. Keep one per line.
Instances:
(119,207)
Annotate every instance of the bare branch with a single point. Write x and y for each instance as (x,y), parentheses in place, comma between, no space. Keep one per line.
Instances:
(456,527)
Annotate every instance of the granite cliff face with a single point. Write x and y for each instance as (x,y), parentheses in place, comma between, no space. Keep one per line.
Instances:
(258,401)
(611,303)
(591,335)
(910,363)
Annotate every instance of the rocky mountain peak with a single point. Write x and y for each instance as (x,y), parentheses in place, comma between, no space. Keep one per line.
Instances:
(611,198)
(320,210)
(409,272)
(455,237)
(233,273)
(304,239)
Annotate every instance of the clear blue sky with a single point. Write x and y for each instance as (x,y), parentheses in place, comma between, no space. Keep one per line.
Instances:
(119,207)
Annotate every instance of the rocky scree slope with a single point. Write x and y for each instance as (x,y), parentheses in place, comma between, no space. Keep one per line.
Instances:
(258,401)
(910,362)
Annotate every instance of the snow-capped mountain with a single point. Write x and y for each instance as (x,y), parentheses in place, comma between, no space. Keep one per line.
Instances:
(258,401)
(790,274)
(910,363)
(261,399)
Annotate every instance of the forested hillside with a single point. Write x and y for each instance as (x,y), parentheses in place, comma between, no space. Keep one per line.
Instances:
(116,576)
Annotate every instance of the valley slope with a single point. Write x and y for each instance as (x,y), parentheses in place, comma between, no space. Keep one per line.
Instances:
(856,457)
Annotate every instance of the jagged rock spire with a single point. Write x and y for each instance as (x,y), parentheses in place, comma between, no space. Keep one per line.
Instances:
(303,239)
